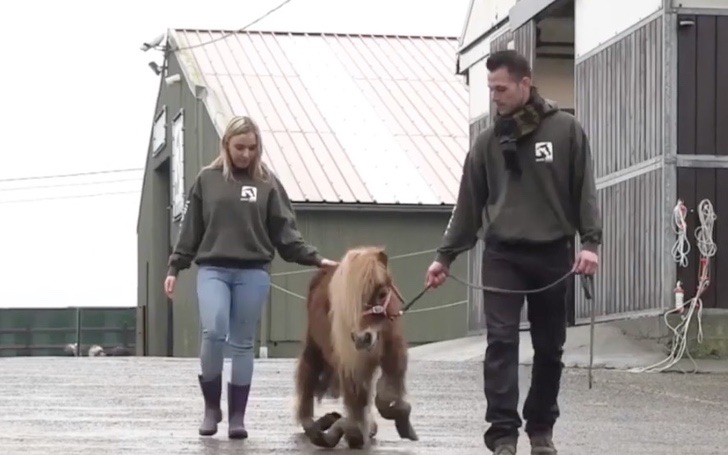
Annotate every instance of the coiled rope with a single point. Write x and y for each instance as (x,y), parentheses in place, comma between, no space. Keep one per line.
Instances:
(708,249)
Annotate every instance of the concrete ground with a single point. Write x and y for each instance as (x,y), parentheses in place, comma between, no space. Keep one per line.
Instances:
(93,406)
(622,345)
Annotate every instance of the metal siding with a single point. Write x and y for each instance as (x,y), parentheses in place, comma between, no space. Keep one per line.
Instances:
(619,104)
(629,279)
(702,100)
(155,241)
(333,232)
(198,153)
(618,100)
(524,38)
(314,95)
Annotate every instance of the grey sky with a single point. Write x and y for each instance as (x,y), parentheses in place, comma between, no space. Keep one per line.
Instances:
(78,96)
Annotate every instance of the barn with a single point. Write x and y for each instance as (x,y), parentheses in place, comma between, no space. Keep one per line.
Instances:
(366,132)
(648,80)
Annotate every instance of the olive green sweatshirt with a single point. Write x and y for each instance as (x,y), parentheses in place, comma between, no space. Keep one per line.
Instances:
(239,223)
(554,198)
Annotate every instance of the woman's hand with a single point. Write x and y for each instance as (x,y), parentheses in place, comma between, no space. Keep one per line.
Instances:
(328,263)
(169,284)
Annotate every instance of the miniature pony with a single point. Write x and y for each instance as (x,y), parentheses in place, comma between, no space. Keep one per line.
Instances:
(353,331)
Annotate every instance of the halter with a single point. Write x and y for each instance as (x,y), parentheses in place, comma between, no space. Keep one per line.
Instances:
(380,309)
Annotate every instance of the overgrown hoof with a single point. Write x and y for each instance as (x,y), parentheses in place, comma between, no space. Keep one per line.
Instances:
(373,429)
(326,421)
(354,437)
(325,432)
(400,411)
(405,429)
(321,439)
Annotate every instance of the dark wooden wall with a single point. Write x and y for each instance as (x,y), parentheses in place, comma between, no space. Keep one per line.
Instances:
(703,130)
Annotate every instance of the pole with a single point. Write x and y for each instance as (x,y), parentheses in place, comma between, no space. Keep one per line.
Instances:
(78,331)
(587,282)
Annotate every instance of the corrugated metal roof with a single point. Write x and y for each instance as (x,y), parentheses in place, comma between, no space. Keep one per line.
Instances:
(344,118)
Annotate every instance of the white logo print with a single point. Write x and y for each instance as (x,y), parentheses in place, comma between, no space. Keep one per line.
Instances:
(544,152)
(249,194)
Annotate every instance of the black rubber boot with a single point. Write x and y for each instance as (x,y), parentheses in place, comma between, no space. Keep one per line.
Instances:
(237,403)
(211,391)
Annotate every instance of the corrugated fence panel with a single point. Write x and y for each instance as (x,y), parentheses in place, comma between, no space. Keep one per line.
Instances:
(46,331)
(619,100)
(629,279)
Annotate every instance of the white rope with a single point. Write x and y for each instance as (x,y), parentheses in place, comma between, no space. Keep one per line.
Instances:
(704,232)
(681,248)
(708,249)
(420,310)
(391,258)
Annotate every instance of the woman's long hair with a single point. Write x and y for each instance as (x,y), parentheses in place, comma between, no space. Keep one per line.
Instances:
(240,125)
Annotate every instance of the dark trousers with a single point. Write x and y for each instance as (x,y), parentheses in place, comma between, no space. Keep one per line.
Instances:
(523,267)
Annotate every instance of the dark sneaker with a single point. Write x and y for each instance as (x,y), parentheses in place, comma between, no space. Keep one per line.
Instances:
(505,446)
(543,444)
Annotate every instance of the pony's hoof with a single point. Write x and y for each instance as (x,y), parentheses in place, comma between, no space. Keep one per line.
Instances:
(355,439)
(373,429)
(405,430)
(323,439)
(393,410)
(401,415)
(319,439)
(326,421)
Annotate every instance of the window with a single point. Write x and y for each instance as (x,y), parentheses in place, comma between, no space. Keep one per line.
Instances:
(159,132)
(178,165)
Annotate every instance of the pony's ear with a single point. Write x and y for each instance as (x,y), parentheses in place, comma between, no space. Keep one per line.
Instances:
(382,256)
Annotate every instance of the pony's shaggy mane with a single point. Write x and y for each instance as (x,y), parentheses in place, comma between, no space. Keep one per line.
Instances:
(359,273)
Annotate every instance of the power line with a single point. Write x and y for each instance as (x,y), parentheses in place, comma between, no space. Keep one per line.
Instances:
(65,185)
(77,174)
(229,34)
(79,196)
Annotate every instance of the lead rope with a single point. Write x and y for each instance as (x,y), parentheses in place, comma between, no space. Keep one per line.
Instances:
(486,288)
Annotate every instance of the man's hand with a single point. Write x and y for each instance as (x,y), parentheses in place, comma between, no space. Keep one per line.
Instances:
(586,263)
(436,275)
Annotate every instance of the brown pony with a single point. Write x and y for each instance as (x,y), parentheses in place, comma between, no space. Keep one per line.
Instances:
(353,331)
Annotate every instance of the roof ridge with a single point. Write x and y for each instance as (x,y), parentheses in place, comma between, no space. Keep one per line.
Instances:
(299,33)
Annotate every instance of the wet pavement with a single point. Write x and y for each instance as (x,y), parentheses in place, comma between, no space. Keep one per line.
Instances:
(105,406)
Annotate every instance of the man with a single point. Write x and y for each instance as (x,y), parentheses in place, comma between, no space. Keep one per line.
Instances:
(528,180)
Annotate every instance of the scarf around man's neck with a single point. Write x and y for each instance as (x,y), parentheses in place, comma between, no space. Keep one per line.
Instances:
(509,129)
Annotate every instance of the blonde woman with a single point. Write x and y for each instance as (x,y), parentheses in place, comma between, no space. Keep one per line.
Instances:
(236,217)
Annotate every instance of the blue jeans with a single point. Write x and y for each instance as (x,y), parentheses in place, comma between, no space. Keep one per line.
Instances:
(230,302)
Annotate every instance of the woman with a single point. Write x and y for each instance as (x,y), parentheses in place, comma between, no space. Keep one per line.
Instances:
(236,216)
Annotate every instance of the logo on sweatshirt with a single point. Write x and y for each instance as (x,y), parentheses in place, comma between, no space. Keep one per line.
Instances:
(544,152)
(249,193)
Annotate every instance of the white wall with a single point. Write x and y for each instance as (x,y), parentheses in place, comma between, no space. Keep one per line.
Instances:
(597,21)
(479,93)
(483,15)
(555,80)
